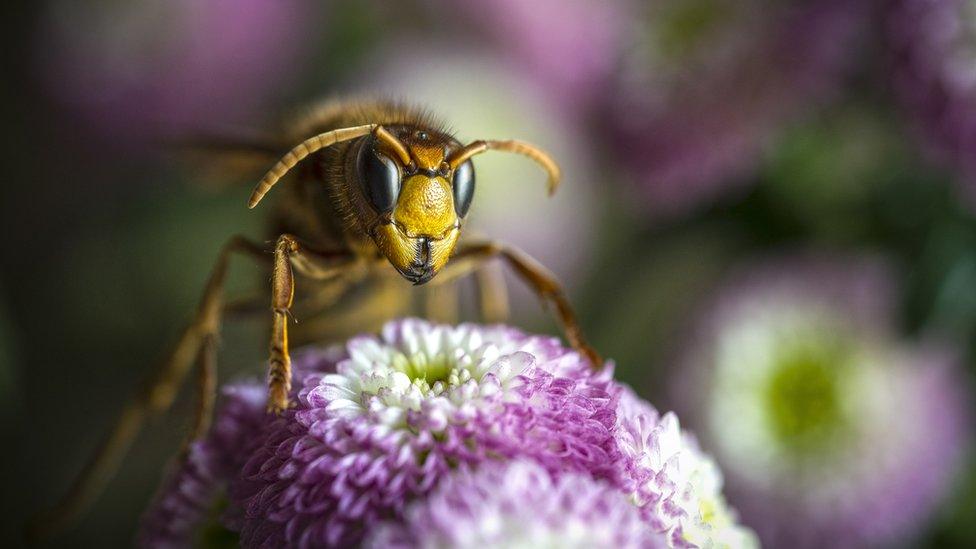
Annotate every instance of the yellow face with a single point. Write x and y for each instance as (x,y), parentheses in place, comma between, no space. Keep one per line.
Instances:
(419,218)
(423,229)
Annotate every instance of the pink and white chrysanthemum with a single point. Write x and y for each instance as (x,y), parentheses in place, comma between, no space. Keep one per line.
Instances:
(383,422)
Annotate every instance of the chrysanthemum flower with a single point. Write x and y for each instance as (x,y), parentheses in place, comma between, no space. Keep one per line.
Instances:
(831,431)
(520,504)
(934,44)
(404,409)
(383,421)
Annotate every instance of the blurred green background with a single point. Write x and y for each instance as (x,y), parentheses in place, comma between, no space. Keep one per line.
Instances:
(109,242)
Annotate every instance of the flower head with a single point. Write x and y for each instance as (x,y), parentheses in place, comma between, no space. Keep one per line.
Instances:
(388,428)
(404,409)
(828,427)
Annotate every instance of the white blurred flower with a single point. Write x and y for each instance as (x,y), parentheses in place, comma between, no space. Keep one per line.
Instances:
(830,430)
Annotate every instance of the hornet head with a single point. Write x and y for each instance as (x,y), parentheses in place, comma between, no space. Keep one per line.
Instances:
(415,187)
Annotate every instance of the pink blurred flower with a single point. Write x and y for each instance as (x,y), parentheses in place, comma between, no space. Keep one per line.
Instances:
(934,47)
(690,90)
(566,45)
(704,84)
(151,67)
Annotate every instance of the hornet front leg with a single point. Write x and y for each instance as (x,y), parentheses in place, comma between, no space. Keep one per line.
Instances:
(290,256)
(472,257)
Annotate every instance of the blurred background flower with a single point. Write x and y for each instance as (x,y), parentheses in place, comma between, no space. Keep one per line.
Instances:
(704,85)
(695,136)
(151,68)
(569,47)
(933,45)
(689,91)
(832,431)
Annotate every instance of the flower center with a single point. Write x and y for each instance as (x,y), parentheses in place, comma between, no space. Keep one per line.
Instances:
(802,395)
(420,367)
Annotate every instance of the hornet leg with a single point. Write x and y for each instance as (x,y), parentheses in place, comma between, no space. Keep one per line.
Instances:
(537,277)
(290,253)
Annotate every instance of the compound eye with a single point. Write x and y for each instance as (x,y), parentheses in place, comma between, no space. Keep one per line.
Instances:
(381,178)
(463,188)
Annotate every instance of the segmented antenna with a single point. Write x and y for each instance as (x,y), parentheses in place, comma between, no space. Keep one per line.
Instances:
(513,146)
(302,150)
